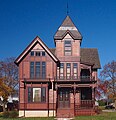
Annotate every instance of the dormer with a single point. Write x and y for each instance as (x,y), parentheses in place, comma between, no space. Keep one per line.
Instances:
(67,39)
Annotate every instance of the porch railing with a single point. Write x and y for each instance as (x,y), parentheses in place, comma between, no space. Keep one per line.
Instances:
(77,78)
(86,104)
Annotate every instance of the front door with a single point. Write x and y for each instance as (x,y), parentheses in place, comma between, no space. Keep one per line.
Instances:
(64,98)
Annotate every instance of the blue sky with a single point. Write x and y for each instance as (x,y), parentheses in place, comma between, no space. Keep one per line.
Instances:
(22,20)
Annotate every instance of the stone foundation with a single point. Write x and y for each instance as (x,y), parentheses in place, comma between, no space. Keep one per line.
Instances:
(36,113)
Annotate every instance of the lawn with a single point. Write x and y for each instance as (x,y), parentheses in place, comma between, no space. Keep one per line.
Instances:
(103,116)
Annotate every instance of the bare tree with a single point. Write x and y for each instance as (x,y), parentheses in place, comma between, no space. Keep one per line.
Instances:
(109,74)
(9,71)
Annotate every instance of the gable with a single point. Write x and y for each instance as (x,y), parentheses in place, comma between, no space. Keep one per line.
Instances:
(37,43)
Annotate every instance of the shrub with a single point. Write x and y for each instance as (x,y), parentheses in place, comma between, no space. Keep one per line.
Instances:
(6,114)
(13,114)
(10,114)
(101,102)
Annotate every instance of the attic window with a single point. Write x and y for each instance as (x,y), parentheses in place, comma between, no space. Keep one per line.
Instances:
(37,53)
(43,53)
(32,53)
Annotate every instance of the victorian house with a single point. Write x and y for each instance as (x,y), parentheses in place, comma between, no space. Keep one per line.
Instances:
(58,81)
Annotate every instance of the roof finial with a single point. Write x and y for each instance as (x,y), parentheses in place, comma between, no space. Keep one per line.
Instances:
(67,8)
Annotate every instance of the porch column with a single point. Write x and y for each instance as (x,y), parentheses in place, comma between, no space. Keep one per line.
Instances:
(48,98)
(56,97)
(53,96)
(74,97)
(93,96)
(24,96)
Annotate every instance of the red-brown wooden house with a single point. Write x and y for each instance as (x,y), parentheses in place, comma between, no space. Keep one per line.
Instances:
(60,81)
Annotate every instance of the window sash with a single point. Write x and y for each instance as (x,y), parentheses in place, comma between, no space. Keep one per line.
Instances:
(31,69)
(37,53)
(61,70)
(67,48)
(43,53)
(68,70)
(75,70)
(43,69)
(32,53)
(37,94)
(37,69)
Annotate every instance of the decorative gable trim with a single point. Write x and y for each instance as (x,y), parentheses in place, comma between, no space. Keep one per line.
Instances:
(67,32)
(30,47)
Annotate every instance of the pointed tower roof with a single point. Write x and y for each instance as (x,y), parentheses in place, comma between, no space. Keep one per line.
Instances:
(68,22)
(68,27)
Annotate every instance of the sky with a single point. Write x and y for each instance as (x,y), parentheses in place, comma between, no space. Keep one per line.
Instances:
(22,20)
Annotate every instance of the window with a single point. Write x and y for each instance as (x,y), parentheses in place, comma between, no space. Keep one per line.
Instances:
(43,53)
(68,70)
(43,69)
(61,96)
(67,48)
(37,53)
(29,94)
(31,69)
(62,71)
(32,53)
(66,96)
(38,70)
(36,94)
(75,72)
(86,94)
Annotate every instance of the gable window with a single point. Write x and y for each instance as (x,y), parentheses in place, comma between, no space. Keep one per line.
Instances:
(37,94)
(38,70)
(32,53)
(43,69)
(67,48)
(31,69)
(61,70)
(68,70)
(37,53)
(75,71)
(43,53)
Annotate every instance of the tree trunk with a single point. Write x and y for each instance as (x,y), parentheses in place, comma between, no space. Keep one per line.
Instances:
(115,104)
(4,109)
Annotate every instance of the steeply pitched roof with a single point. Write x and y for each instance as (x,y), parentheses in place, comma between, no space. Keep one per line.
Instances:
(67,22)
(90,55)
(30,47)
(68,27)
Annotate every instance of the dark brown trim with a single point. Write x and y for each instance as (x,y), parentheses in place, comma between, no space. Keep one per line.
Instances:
(36,41)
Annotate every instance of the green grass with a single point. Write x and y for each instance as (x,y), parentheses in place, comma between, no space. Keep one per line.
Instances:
(103,116)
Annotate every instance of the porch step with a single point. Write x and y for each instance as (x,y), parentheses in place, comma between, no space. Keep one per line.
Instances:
(65,115)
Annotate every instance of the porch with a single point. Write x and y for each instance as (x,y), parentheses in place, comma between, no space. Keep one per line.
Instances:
(72,102)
